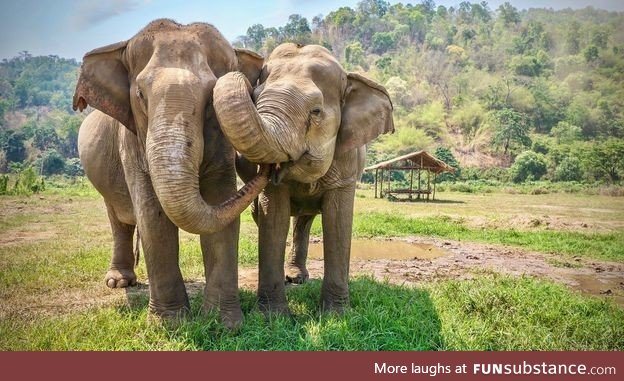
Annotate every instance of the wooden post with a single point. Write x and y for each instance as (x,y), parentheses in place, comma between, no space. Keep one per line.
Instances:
(435,176)
(419,181)
(381,185)
(428,184)
(376,173)
(411,182)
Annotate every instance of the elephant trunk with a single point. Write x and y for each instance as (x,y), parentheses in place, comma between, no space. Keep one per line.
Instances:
(262,135)
(174,149)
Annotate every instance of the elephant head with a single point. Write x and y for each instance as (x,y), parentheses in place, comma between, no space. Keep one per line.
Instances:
(159,85)
(307,110)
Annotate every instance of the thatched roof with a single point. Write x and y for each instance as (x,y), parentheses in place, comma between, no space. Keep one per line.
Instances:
(414,160)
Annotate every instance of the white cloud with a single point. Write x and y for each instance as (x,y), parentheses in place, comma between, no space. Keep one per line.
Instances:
(90,13)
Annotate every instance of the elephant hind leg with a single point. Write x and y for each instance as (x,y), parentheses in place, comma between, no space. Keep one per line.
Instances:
(296,271)
(121,272)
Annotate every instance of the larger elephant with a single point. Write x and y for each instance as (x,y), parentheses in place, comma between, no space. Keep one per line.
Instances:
(315,119)
(156,153)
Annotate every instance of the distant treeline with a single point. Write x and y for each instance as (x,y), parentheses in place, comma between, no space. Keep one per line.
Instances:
(484,87)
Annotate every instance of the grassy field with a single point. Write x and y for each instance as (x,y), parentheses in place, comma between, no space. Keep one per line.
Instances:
(55,249)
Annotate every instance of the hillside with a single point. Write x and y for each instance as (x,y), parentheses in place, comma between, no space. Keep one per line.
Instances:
(486,84)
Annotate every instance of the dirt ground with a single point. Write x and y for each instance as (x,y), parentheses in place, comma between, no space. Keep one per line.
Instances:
(464,260)
(46,219)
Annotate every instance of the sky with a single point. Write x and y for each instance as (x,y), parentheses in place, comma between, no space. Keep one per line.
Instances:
(70,28)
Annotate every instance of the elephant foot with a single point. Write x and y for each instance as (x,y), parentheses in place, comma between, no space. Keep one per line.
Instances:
(116,278)
(269,310)
(228,307)
(337,304)
(168,317)
(296,274)
(231,318)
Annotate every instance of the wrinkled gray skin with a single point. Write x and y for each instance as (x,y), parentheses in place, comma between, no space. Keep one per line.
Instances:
(170,167)
(314,119)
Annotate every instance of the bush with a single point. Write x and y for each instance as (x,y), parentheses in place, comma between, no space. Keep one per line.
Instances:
(73,167)
(570,169)
(28,183)
(528,165)
(52,163)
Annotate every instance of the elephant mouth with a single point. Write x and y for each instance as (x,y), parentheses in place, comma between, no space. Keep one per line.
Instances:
(280,170)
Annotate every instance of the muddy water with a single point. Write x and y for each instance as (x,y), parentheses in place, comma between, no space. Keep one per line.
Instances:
(377,249)
(607,285)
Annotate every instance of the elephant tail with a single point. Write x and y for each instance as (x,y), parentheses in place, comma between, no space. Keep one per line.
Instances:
(137,248)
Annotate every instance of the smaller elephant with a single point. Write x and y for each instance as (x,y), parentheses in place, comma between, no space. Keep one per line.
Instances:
(314,119)
(154,150)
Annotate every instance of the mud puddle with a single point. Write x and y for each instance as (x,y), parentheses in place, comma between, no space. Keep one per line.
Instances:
(370,249)
(611,286)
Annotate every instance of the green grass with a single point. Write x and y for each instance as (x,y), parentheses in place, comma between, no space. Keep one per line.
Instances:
(52,293)
(489,313)
(603,246)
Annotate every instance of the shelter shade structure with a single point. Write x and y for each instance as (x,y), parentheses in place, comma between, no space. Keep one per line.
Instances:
(391,179)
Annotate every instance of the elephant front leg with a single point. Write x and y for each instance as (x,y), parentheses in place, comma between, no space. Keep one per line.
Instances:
(121,272)
(159,238)
(296,271)
(273,224)
(220,252)
(337,210)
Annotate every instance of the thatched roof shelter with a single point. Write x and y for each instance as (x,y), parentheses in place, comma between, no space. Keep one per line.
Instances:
(416,161)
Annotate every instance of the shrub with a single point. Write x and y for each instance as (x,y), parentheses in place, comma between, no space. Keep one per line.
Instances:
(528,165)
(52,163)
(570,169)
(73,167)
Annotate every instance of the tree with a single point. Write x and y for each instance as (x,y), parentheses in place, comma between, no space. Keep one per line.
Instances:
(570,169)
(509,14)
(255,36)
(510,127)
(15,149)
(382,42)
(445,154)
(354,54)
(528,165)
(52,163)
(606,160)
(373,7)
(296,30)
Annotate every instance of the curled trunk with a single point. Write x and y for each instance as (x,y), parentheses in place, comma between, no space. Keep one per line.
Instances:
(263,135)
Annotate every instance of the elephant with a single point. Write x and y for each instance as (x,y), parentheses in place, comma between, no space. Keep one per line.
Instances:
(313,120)
(154,150)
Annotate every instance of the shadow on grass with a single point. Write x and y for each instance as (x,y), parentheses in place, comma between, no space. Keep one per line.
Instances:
(382,317)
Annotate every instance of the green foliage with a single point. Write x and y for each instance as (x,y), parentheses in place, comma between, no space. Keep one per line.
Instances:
(528,165)
(4,184)
(606,160)
(565,133)
(461,77)
(570,169)
(403,141)
(52,163)
(445,154)
(73,167)
(26,183)
(511,128)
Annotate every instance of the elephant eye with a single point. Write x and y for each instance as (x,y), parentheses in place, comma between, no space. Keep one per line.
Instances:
(316,111)
(139,94)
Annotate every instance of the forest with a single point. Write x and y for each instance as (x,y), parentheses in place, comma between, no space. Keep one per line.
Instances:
(503,94)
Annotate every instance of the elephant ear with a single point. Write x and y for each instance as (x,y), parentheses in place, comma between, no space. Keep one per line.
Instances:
(103,84)
(249,63)
(366,113)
